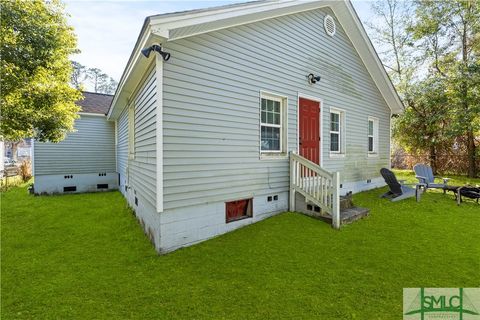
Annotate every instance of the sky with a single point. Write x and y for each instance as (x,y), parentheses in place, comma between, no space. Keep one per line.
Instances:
(107,30)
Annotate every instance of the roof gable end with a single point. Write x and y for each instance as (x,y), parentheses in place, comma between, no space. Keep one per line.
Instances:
(170,27)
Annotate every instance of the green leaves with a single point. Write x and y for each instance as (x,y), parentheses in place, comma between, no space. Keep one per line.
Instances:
(36,43)
(443,96)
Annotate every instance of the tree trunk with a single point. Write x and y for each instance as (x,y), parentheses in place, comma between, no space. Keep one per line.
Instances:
(433,159)
(14,150)
(472,152)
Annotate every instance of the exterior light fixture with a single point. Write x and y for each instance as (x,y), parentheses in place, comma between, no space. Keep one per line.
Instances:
(313,79)
(157,48)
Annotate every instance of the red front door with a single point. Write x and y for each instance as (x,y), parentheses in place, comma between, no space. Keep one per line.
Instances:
(309,130)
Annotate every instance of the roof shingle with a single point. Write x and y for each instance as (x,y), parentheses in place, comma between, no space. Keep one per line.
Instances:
(95,102)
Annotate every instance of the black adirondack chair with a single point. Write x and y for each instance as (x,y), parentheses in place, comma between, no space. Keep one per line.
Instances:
(398,191)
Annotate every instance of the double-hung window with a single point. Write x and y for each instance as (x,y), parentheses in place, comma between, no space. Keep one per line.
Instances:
(335,127)
(372,135)
(272,131)
(337,132)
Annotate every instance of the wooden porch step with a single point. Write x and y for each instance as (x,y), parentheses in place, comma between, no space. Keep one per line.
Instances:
(347,215)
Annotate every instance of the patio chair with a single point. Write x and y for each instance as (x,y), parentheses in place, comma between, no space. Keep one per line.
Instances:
(398,191)
(424,174)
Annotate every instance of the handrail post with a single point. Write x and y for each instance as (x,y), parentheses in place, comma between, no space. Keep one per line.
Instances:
(336,200)
(292,182)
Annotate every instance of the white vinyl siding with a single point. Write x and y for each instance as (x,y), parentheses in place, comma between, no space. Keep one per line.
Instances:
(212,115)
(90,149)
(142,167)
(131,131)
(122,147)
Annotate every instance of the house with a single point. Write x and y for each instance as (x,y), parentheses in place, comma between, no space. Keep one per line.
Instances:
(226,116)
(85,160)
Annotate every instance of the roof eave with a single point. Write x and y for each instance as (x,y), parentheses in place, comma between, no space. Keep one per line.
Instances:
(136,64)
(158,29)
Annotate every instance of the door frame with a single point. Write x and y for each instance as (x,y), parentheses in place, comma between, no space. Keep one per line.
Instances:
(316,99)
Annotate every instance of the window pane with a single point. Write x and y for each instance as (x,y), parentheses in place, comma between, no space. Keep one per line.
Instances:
(269,105)
(334,122)
(334,142)
(276,118)
(264,116)
(276,107)
(370,144)
(370,127)
(269,117)
(270,140)
(264,104)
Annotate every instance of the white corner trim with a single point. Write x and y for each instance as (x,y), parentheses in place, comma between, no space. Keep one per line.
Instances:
(159,130)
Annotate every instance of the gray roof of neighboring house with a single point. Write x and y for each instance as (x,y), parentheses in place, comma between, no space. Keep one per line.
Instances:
(95,102)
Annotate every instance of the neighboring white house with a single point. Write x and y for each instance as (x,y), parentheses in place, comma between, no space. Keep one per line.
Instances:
(85,160)
(257,102)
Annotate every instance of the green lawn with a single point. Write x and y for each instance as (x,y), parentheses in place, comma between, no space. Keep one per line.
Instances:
(85,256)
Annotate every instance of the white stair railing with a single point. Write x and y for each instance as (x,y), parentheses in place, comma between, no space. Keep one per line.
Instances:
(317,186)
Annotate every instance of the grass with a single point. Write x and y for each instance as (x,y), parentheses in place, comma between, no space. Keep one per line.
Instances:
(85,257)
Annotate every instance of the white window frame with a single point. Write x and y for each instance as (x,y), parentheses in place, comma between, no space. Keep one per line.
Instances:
(274,154)
(131,132)
(374,152)
(341,139)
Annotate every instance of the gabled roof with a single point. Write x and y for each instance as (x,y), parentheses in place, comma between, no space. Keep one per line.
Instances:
(172,26)
(95,102)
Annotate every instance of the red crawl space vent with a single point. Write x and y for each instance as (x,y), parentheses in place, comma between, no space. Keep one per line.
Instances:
(239,209)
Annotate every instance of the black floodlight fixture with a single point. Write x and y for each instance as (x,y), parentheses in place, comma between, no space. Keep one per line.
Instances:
(157,48)
(313,79)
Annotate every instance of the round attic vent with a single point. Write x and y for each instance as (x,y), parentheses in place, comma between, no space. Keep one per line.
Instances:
(329,25)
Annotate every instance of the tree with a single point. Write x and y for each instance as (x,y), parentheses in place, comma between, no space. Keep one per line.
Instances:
(101,82)
(394,39)
(109,86)
(424,123)
(97,78)
(448,33)
(78,75)
(37,100)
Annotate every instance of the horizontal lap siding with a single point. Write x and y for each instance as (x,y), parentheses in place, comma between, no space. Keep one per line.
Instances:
(211,106)
(90,149)
(142,169)
(122,144)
